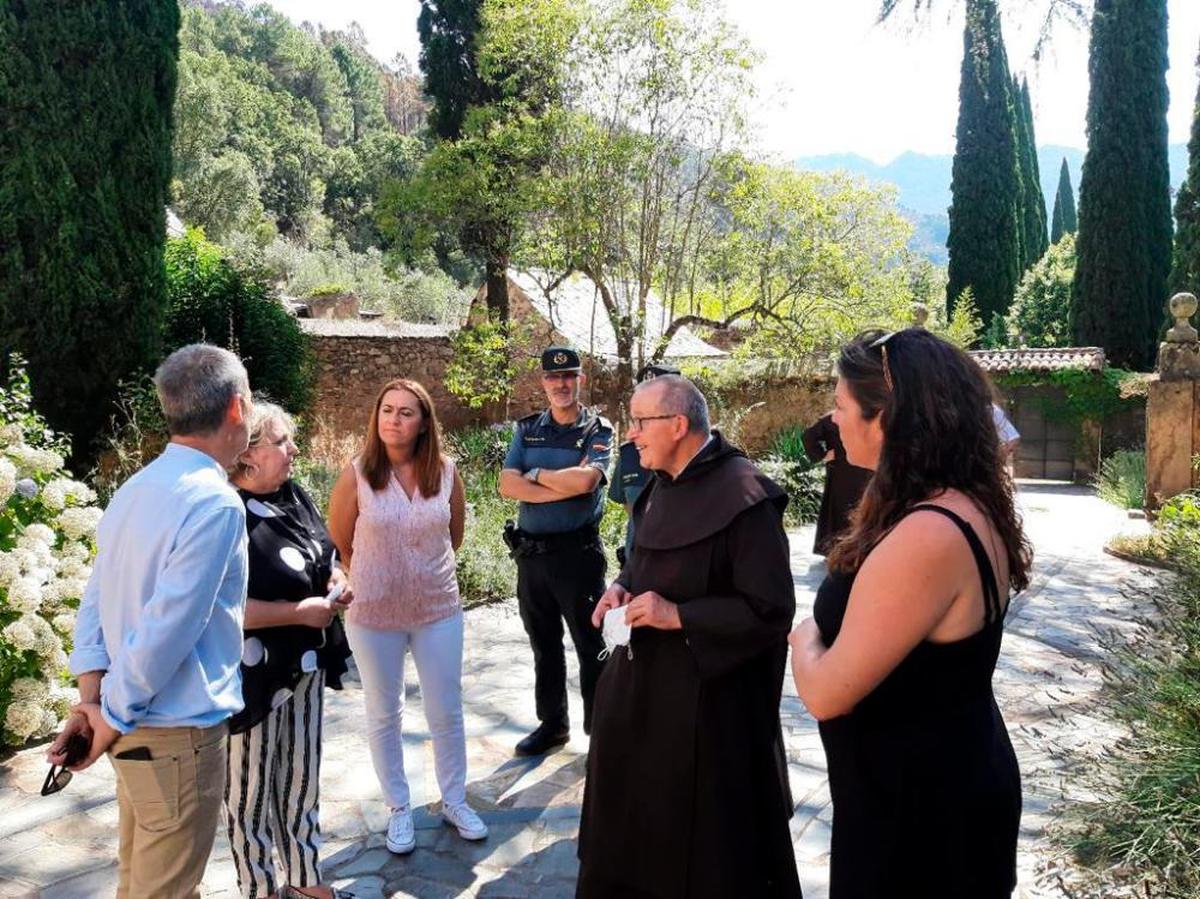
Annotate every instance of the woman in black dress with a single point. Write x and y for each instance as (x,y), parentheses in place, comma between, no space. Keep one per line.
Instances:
(844,483)
(897,663)
(294,647)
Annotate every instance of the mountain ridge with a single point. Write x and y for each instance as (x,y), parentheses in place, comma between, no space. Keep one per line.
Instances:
(923,184)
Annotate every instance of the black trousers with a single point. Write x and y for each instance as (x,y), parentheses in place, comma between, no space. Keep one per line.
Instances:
(551,588)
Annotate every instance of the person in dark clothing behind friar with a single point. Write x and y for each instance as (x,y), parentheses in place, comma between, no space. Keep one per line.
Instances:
(629,478)
(844,483)
(556,468)
(687,786)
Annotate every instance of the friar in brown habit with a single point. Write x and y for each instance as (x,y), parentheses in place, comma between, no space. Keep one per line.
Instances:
(687,791)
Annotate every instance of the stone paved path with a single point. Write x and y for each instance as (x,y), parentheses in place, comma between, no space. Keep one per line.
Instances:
(64,846)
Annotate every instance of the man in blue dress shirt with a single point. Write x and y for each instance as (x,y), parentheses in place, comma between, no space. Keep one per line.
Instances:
(555,468)
(158,637)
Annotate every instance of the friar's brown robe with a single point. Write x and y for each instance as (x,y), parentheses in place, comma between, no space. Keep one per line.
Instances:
(687,792)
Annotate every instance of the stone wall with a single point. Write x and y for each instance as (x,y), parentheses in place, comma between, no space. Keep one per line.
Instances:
(754,412)
(354,359)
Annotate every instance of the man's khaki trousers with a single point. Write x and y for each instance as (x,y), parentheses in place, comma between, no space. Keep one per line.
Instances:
(169,805)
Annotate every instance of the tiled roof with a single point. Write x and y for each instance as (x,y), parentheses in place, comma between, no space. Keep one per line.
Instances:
(1090,358)
(327,327)
(576,311)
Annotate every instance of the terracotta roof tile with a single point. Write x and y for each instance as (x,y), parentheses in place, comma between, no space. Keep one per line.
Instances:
(1090,358)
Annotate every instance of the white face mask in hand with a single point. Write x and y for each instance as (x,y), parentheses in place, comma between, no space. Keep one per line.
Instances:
(615,632)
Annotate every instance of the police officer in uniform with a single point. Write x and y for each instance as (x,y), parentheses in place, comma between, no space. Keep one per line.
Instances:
(629,479)
(556,468)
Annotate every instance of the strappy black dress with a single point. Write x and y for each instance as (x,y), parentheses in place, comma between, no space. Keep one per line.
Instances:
(925,786)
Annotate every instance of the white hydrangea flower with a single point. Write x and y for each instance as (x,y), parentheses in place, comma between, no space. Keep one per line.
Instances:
(49,723)
(37,537)
(79,522)
(54,659)
(31,461)
(11,434)
(73,588)
(75,550)
(31,689)
(20,634)
(71,568)
(25,595)
(23,719)
(54,497)
(26,558)
(58,492)
(80,492)
(8,480)
(64,622)
(10,568)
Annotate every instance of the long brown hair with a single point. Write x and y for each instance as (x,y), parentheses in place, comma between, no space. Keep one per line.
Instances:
(938,434)
(427,455)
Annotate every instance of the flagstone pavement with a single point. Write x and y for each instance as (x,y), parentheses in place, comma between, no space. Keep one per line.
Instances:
(65,846)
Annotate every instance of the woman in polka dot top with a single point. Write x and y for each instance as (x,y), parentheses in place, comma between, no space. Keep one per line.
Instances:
(294,646)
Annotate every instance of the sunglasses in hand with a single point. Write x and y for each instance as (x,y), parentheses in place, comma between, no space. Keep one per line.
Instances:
(59,776)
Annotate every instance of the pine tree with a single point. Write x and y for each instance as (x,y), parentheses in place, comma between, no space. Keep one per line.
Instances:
(1033,231)
(1064,220)
(1186,272)
(986,221)
(86,95)
(1125,231)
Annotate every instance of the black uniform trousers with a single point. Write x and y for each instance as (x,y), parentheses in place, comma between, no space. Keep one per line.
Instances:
(563,584)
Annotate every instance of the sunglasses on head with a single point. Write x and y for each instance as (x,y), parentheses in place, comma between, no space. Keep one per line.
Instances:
(881,342)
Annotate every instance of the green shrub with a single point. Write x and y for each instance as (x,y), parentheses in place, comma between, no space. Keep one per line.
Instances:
(1144,836)
(403,293)
(789,444)
(212,300)
(485,572)
(328,290)
(1041,309)
(803,481)
(1122,479)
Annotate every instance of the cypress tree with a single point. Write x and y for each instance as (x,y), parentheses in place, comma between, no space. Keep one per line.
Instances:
(1033,231)
(86,96)
(986,219)
(1124,239)
(1064,220)
(449,32)
(1186,272)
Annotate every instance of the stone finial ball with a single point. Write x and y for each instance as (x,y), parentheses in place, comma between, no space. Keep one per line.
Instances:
(1183,305)
(920,314)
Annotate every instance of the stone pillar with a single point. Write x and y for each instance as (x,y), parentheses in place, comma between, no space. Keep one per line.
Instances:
(1173,409)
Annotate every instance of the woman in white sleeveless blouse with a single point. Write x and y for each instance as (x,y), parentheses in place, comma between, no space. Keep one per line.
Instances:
(396,515)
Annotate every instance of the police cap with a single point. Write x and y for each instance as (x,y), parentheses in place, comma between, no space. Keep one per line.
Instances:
(560,358)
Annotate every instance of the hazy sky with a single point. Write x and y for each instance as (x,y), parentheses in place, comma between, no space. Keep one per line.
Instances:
(832,81)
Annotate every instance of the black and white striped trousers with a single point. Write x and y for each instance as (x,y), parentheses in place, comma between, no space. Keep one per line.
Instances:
(271,793)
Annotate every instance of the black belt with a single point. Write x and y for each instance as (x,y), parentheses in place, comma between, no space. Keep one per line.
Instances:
(543,544)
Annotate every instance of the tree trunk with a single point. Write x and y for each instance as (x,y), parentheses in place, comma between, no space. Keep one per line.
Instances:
(497,288)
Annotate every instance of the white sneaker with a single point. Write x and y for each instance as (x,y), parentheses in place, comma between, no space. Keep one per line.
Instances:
(401,835)
(464,819)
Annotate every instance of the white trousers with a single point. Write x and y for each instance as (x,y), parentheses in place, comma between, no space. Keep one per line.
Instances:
(437,650)
(271,793)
